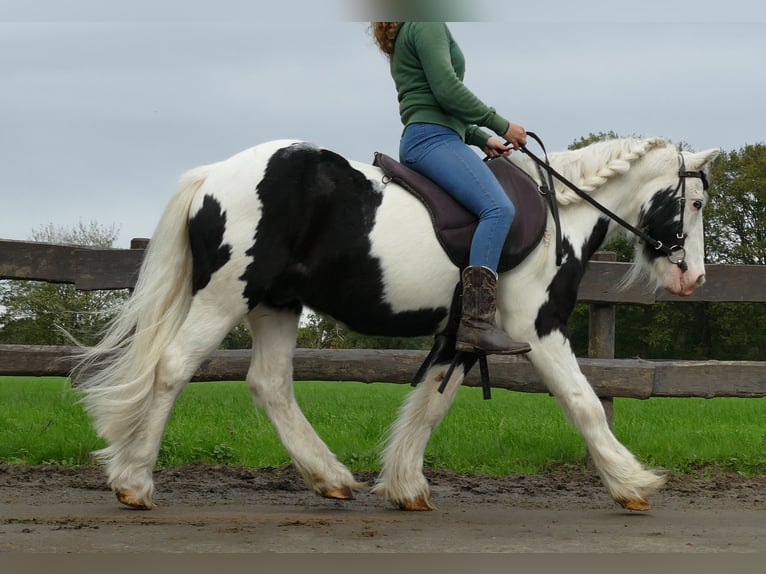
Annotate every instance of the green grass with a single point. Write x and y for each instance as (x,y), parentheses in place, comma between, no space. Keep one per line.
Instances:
(41,421)
(689,434)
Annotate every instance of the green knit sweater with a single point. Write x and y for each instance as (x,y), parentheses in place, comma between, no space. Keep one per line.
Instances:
(428,67)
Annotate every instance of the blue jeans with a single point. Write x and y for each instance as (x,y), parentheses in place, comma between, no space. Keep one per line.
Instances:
(439,153)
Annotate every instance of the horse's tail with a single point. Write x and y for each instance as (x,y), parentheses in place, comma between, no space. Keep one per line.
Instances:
(117,375)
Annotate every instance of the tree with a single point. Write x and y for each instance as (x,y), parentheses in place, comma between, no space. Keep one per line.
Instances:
(736,215)
(323,332)
(237,338)
(736,229)
(38,313)
(592,138)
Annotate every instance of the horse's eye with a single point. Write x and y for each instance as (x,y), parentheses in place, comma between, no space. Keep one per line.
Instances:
(697,204)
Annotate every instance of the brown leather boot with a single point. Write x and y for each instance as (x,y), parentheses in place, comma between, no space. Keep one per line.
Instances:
(477,332)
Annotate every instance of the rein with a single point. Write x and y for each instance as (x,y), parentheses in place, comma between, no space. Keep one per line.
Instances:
(675,254)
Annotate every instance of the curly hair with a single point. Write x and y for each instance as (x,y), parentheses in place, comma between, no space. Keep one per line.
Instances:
(385,35)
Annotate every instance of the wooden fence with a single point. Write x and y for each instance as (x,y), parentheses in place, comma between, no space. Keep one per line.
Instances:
(90,269)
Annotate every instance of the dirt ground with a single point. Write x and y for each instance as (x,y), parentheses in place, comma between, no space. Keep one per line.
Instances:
(216,509)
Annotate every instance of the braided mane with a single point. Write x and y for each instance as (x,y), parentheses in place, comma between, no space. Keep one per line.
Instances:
(592,166)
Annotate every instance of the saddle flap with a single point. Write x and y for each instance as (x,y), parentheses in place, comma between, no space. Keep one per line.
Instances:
(455,225)
(531,217)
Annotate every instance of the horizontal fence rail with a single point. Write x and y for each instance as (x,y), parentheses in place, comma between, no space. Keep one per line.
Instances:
(85,267)
(95,268)
(630,378)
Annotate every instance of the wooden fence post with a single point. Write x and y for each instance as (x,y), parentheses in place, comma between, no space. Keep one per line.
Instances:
(601,340)
(138,243)
(601,334)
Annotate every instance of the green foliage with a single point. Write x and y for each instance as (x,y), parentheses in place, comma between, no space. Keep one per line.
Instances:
(39,313)
(592,138)
(92,234)
(323,332)
(736,215)
(679,330)
(737,331)
(238,338)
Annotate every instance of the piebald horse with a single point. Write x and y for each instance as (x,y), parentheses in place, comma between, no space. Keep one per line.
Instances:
(287,224)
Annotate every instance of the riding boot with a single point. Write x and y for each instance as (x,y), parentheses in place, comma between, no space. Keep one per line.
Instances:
(477,332)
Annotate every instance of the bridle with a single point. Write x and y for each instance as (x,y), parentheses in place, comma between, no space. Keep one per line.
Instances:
(676,253)
(678,249)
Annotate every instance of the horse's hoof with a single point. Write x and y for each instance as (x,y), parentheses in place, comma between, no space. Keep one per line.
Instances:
(420,503)
(639,505)
(128,498)
(338,493)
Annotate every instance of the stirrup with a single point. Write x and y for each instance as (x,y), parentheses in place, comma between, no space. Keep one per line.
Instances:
(483,370)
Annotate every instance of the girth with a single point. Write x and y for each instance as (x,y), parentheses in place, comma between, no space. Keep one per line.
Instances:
(455,226)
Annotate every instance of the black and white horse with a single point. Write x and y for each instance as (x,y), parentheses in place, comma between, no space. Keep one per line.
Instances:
(287,224)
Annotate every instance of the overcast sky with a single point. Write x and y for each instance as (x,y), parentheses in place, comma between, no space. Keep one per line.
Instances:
(103,107)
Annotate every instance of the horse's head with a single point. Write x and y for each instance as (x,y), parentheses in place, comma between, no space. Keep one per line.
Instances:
(672,215)
(658,196)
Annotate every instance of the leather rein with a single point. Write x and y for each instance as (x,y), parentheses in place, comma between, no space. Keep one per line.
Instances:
(676,253)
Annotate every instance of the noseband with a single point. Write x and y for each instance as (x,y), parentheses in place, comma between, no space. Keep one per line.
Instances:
(675,254)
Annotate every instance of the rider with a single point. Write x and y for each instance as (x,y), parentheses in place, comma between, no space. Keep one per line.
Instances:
(441,116)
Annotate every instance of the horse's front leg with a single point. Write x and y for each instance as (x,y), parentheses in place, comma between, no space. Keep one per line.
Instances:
(627,480)
(401,480)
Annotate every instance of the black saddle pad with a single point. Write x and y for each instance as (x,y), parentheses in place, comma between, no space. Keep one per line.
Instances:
(455,225)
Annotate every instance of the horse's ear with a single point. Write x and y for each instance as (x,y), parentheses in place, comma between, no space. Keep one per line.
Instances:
(700,159)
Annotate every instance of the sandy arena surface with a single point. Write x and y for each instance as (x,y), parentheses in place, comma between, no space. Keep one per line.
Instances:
(216,509)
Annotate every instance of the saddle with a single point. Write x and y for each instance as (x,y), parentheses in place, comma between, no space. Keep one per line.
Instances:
(454,225)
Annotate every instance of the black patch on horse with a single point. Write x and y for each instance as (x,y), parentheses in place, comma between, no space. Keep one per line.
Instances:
(209,253)
(562,292)
(660,221)
(312,245)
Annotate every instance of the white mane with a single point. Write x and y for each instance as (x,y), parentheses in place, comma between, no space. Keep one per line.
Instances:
(591,167)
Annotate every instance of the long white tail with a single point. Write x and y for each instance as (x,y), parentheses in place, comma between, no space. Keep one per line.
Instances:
(117,375)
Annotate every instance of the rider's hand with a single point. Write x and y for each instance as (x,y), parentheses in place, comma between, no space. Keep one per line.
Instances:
(515,135)
(495,148)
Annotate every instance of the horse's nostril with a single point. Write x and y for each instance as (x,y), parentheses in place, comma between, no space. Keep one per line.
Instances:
(701,279)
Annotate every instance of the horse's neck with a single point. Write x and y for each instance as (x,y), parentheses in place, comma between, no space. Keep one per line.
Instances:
(580,219)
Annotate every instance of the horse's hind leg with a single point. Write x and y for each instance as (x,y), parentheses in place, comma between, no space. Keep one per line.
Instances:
(207,323)
(270,378)
(402,481)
